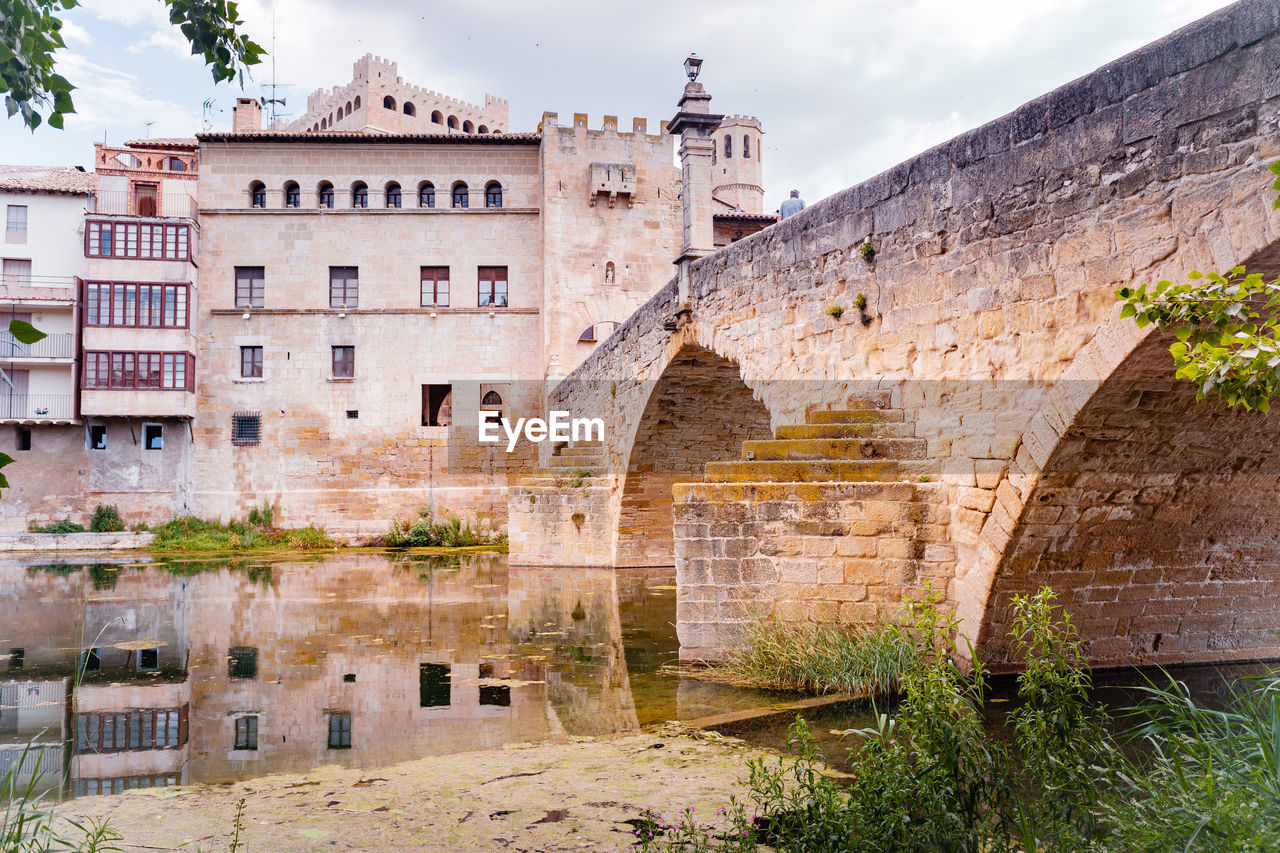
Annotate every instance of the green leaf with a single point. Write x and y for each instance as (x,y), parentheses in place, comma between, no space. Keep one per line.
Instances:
(25,332)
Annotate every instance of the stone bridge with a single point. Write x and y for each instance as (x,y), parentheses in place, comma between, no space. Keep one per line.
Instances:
(978,416)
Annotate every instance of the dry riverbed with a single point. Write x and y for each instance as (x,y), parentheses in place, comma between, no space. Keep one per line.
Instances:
(575,795)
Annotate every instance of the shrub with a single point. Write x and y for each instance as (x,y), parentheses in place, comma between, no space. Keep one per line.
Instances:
(452,532)
(59,527)
(188,533)
(106,519)
(264,517)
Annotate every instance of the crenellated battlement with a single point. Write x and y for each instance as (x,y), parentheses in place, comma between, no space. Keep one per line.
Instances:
(608,126)
(742,121)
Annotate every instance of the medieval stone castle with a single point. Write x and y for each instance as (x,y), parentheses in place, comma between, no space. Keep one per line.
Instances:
(311,315)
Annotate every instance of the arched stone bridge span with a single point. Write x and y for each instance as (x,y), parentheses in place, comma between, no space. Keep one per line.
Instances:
(986,423)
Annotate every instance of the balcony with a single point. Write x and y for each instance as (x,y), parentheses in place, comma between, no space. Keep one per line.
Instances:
(37,408)
(56,346)
(49,290)
(164,205)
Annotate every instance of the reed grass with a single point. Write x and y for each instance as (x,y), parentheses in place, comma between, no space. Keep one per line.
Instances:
(820,657)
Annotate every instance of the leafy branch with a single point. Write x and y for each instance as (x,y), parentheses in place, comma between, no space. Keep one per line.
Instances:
(31,34)
(1227,329)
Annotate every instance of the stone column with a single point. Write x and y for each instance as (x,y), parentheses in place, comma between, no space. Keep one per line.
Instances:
(695,123)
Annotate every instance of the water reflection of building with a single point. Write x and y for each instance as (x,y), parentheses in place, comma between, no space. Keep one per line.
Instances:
(230,672)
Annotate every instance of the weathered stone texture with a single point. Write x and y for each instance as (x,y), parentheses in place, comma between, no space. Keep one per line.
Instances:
(990,312)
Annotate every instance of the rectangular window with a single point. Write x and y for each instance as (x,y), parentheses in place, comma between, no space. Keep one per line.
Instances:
(17,657)
(344,287)
(435,287)
(492,287)
(247,733)
(437,405)
(340,731)
(495,694)
(344,362)
(251,362)
(168,371)
(251,286)
(23,438)
(153,437)
(136,305)
(242,662)
(131,730)
(15,224)
(147,241)
(97,437)
(246,428)
(91,660)
(148,659)
(16,272)
(434,685)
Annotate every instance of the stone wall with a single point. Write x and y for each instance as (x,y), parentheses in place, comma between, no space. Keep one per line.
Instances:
(989,298)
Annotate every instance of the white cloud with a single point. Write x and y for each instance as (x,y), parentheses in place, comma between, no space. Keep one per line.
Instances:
(114,101)
(73,33)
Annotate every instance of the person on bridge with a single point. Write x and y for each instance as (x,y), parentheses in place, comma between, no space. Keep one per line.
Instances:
(792,206)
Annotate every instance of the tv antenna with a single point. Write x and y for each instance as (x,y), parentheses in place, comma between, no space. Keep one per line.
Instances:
(275,100)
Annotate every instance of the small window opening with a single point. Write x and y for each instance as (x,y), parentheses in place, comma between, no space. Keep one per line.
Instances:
(17,657)
(242,662)
(91,660)
(247,732)
(246,428)
(97,436)
(437,405)
(153,436)
(23,438)
(340,731)
(148,660)
(352,414)
(433,685)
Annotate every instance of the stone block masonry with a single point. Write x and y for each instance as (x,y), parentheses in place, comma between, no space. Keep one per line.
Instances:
(1058,451)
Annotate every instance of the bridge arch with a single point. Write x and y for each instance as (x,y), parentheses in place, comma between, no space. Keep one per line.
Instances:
(1156,517)
(698,410)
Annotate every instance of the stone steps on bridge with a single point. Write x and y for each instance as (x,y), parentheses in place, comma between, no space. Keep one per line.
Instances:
(871,447)
(881,430)
(807,471)
(855,416)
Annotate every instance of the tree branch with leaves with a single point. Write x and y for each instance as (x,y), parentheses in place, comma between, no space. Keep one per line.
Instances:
(31,36)
(1227,329)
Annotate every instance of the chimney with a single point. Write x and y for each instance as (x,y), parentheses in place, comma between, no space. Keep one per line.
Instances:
(246,117)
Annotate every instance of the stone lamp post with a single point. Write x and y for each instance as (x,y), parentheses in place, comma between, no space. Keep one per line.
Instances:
(695,123)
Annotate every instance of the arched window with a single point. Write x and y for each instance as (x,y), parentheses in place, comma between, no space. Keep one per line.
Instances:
(468,127)
(393,194)
(746,147)
(177,164)
(357,102)
(315,127)
(410,109)
(292,194)
(497,130)
(482,129)
(330,119)
(436,117)
(493,194)
(346,111)
(492,402)
(324,124)
(453,122)
(728,146)
(258,194)
(388,103)
(597,332)
(426,194)
(460,196)
(359,194)
(324,194)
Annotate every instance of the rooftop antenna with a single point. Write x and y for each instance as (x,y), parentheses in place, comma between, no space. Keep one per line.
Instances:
(149,128)
(274,100)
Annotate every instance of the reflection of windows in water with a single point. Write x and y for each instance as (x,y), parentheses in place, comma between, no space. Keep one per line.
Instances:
(148,659)
(93,787)
(16,658)
(433,685)
(242,662)
(132,730)
(340,731)
(495,694)
(247,732)
(90,660)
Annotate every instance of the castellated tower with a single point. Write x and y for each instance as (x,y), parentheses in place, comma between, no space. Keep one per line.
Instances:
(738,168)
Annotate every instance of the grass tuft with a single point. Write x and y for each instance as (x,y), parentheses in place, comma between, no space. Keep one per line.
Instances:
(188,533)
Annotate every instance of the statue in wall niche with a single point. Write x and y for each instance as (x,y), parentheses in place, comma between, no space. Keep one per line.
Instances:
(610,273)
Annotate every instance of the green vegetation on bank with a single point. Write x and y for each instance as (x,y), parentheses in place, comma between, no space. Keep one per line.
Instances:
(193,534)
(819,658)
(451,532)
(933,778)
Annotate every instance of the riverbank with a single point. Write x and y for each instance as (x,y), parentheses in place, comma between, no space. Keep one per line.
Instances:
(573,795)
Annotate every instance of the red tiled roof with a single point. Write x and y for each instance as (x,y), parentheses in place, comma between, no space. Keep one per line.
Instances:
(47,179)
(164,142)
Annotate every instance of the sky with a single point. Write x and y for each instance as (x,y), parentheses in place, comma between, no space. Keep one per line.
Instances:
(844,88)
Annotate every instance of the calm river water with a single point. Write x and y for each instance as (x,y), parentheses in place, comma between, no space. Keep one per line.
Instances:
(200,670)
(216,670)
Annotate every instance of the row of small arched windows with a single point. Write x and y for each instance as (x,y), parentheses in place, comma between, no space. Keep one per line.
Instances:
(389,103)
(393,194)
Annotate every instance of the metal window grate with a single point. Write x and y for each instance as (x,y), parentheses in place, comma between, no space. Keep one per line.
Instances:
(246,428)
(242,662)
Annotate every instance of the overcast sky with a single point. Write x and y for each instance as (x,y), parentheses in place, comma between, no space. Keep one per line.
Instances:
(844,88)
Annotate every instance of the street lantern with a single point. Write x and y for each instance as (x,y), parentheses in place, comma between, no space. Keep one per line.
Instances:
(692,66)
